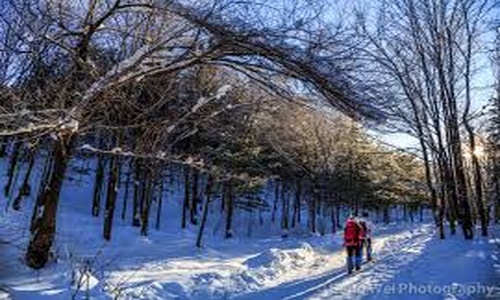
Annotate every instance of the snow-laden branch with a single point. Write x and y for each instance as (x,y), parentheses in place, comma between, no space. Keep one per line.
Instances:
(28,130)
(36,126)
(193,162)
(171,53)
(199,104)
(26,113)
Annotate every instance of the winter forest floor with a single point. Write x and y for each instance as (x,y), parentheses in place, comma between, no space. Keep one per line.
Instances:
(255,264)
(410,263)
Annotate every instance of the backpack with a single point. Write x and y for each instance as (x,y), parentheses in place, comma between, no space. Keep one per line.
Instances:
(351,233)
(364,229)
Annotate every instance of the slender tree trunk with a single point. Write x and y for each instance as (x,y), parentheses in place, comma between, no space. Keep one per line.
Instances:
(451,197)
(299,205)
(25,189)
(478,182)
(337,216)
(12,168)
(496,186)
(296,204)
(206,207)
(454,141)
(223,198)
(466,221)
(325,212)
(387,219)
(4,142)
(112,191)
(127,191)
(276,199)
(194,199)
(312,211)
(45,221)
(98,186)
(332,219)
(185,206)
(160,204)
(148,199)
(285,211)
(230,210)
(136,211)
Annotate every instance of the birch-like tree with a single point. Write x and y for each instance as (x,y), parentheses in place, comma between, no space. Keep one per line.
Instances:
(427,51)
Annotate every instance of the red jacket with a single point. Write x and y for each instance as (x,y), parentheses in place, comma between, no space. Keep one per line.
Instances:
(352,233)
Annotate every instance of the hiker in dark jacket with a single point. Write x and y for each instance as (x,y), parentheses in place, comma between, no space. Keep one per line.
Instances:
(366,237)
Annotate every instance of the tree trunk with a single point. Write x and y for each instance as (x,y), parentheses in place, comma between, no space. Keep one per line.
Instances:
(206,207)
(185,206)
(46,174)
(98,186)
(451,197)
(478,182)
(312,212)
(25,189)
(160,204)
(4,142)
(321,214)
(386,215)
(230,210)
(496,187)
(276,199)
(112,191)
(45,221)
(136,215)
(285,211)
(466,220)
(194,199)
(148,199)
(296,204)
(127,190)
(12,168)
(332,219)
(337,216)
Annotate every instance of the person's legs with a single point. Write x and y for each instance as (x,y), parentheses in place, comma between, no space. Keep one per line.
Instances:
(350,257)
(369,249)
(358,256)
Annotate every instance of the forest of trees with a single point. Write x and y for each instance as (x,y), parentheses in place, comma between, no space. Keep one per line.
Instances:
(225,96)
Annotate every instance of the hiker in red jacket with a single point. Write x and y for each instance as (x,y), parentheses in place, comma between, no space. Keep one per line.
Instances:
(352,234)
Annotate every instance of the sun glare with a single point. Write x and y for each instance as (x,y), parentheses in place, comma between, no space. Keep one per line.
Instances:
(479,151)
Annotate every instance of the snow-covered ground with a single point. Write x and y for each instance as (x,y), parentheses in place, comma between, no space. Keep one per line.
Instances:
(410,264)
(256,264)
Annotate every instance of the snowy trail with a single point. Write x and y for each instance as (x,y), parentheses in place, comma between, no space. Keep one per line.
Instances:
(386,248)
(291,269)
(274,272)
(396,253)
(424,268)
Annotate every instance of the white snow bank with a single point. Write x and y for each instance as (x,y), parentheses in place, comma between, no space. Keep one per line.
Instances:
(222,278)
